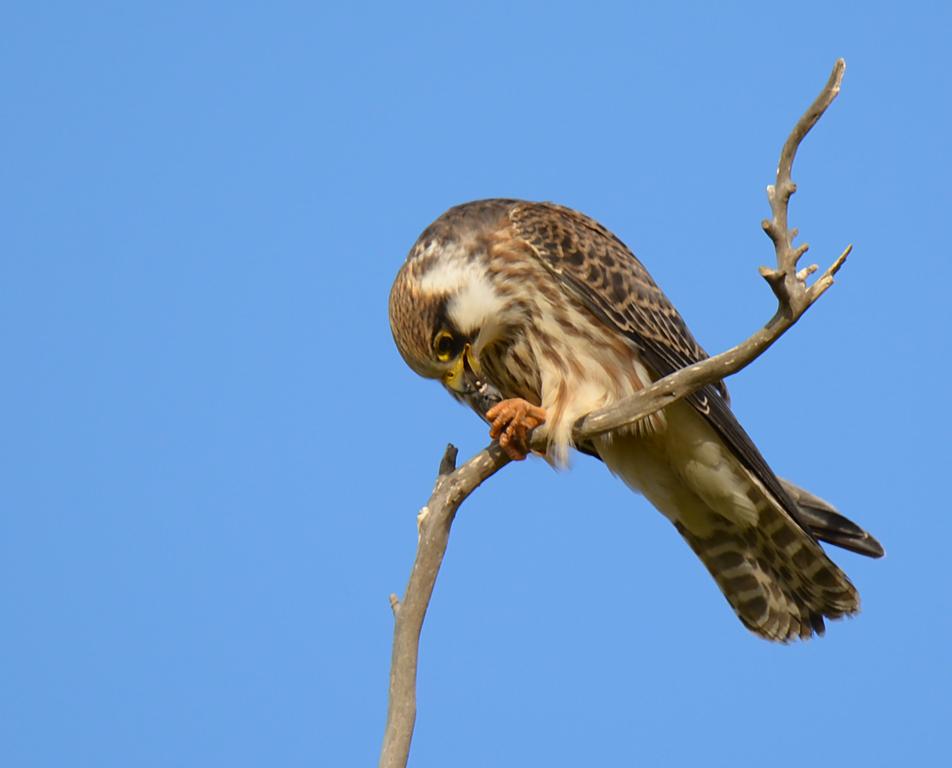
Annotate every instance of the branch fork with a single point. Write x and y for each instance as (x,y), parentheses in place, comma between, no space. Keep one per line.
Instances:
(788,284)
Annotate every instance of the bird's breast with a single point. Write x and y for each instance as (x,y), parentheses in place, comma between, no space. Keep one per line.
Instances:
(564,360)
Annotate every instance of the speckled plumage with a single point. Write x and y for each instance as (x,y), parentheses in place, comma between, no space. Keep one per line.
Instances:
(552,308)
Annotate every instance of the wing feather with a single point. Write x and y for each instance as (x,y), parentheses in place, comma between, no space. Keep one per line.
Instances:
(597,268)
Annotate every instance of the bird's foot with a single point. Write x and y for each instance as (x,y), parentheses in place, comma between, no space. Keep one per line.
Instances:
(512,423)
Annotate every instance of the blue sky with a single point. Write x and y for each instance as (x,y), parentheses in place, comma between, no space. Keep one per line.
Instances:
(212,455)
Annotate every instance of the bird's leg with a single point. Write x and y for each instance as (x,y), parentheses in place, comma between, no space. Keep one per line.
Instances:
(512,423)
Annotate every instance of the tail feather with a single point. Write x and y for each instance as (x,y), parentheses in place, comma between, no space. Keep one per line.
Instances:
(777,579)
(760,547)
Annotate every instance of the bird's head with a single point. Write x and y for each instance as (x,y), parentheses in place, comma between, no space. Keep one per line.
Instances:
(444,308)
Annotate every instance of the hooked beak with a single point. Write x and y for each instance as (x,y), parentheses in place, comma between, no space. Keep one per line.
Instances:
(462,377)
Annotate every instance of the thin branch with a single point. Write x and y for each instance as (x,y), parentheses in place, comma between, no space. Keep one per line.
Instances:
(453,486)
(789,285)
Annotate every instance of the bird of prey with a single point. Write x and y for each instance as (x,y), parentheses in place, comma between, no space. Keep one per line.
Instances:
(543,314)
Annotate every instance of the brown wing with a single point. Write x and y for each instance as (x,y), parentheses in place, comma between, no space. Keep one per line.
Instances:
(598,269)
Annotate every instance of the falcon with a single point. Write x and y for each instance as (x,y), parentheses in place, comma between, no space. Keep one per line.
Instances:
(535,315)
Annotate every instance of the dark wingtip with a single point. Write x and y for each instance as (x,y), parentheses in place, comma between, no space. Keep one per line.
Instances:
(825,523)
(865,545)
(872,547)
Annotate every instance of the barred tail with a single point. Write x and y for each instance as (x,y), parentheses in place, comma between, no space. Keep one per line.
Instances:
(777,579)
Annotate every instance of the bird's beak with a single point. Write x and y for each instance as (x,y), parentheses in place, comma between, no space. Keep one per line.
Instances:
(462,376)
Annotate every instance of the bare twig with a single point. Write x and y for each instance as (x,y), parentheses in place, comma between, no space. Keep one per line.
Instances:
(453,486)
(789,285)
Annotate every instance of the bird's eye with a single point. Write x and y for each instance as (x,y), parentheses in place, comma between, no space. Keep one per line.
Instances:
(445,346)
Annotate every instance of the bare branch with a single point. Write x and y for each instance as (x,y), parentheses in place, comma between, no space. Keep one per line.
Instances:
(453,486)
(789,285)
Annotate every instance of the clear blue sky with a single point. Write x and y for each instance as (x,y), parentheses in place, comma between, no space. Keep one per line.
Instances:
(211,455)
